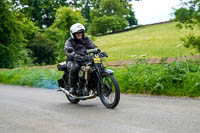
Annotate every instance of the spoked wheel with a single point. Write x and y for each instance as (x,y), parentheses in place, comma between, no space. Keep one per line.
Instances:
(110,94)
(72,100)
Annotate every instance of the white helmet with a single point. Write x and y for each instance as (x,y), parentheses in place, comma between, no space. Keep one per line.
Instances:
(75,28)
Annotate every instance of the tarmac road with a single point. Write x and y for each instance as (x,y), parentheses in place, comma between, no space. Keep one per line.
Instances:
(37,110)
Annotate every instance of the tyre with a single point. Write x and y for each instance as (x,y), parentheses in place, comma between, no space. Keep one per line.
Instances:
(72,100)
(110,94)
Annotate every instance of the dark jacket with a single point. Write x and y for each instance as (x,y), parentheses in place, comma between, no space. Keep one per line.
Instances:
(80,46)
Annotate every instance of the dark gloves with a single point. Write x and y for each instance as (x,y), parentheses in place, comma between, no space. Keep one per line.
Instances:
(70,50)
(103,54)
(78,57)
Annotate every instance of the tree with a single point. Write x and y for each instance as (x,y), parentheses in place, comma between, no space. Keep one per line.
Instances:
(43,49)
(109,17)
(131,18)
(192,41)
(42,12)
(12,36)
(59,31)
(189,13)
(189,16)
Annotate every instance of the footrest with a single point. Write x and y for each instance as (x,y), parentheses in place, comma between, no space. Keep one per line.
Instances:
(59,90)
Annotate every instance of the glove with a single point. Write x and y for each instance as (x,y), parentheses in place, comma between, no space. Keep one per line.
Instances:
(86,58)
(70,50)
(103,54)
(98,50)
(78,57)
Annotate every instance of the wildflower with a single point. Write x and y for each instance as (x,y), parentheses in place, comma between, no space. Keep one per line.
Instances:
(179,45)
(132,56)
(144,55)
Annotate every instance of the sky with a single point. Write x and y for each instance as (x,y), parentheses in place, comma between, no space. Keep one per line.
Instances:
(153,11)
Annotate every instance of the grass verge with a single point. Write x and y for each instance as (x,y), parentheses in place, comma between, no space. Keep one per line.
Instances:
(36,77)
(176,79)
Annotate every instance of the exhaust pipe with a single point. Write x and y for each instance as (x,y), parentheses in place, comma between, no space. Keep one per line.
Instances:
(81,98)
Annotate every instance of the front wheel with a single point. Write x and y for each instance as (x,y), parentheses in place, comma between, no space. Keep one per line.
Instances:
(110,93)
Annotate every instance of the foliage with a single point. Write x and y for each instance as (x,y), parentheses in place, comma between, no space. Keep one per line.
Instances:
(43,49)
(42,12)
(189,13)
(176,79)
(111,16)
(15,29)
(59,31)
(131,18)
(183,15)
(192,41)
(107,23)
(66,17)
(189,16)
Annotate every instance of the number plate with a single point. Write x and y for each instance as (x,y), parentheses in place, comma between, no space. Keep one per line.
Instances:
(97,60)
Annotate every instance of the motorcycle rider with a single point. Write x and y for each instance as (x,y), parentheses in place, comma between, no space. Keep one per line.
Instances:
(75,49)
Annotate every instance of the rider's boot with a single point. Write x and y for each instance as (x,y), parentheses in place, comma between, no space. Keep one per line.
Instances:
(72,84)
(66,80)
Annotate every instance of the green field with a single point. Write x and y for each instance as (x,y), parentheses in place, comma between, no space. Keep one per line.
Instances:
(160,40)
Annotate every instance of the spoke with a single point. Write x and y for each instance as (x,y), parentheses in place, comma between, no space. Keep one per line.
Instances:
(107,79)
(111,97)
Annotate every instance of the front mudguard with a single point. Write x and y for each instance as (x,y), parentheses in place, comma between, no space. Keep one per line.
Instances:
(107,72)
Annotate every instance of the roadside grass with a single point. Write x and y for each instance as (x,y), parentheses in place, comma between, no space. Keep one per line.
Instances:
(161,40)
(36,77)
(176,79)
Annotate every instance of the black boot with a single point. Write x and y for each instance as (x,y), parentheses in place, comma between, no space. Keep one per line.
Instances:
(66,80)
(72,84)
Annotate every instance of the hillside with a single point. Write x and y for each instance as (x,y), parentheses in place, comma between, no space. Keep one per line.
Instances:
(162,40)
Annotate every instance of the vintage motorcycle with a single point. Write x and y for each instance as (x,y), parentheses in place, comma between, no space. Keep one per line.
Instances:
(93,80)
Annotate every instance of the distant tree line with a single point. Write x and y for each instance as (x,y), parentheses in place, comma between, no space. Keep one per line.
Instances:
(33,32)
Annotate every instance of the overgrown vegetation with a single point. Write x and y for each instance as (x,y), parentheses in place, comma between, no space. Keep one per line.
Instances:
(189,16)
(176,79)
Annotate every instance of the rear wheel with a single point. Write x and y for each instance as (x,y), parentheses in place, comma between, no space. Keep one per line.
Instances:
(110,93)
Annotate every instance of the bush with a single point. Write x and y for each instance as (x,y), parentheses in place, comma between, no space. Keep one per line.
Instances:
(192,41)
(43,50)
(176,79)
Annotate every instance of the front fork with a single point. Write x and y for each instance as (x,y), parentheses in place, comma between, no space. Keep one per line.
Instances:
(100,79)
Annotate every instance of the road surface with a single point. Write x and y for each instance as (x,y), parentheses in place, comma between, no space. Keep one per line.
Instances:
(37,110)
